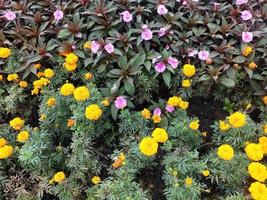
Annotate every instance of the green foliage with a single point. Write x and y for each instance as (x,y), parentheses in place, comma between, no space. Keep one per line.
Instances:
(121,188)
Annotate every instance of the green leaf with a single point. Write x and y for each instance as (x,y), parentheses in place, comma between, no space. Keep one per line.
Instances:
(227,82)
(167,78)
(129,86)
(122,62)
(249,72)
(115,86)
(137,60)
(64,33)
(239,59)
(114,111)
(231,73)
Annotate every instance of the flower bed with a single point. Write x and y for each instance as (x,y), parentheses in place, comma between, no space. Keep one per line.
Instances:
(133,100)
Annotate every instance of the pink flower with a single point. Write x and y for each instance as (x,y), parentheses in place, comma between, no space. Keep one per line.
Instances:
(173,62)
(10,15)
(109,48)
(169,108)
(203,55)
(126,16)
(247,36)
(192,53)
(162,10)
(157,112)
(246,15)
(160,67)
(95,46)
(146,34)
(58,14)
(240,2)
(120,102)
(163,31)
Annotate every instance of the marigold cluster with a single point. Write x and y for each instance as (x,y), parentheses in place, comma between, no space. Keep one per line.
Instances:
(258,191)
(70,63)
(225,152)
(81,93)
(59,177)
(237,120)
(23,136)
(49,73)
(39,84)
(12,77)
(194,125)
(17,123)
(67,89)
(257,171)
(254,151)
(93,112)
(160,135)
(51,102)
(148,146)
(4,52)
(189,70)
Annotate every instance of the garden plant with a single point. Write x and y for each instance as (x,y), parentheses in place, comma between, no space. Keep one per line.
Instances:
(133,99)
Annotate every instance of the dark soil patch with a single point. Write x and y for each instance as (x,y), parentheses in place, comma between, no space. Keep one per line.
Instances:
(152,179)
(49,197)
(207,111)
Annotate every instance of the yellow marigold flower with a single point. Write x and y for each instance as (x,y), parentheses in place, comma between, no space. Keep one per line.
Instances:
(49,73)
(237,119)
(96,180)
(23,84)
(148,146)
(88,76)
(71,122)
(51,101)
(264,100)
(194,125)
(67,89)
(3,142)
(247,51)
(81,93)
(70,67)
(93,112)
(189,70)
(6,151)
(71,58)
(263,143)
(37,66)
(258,191)
(4,52)
(184,105)
(257,171)
(254,151)
(40,74)
(23,136)
(105,102)
(160,135)
(156,119)
(224,126)
(186,83)
(87,45)
(42,117)
(252,65)
(12,77)
(59,177)
(174,101)
(1,77)
(206,173)
(188,181)
(146,113)
(119,161)
(17,123)
(225,152)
